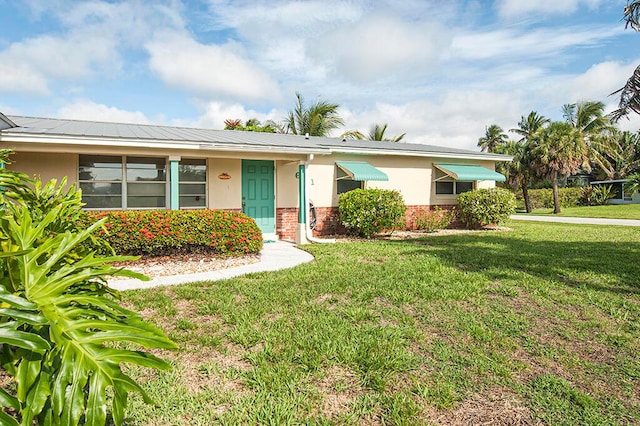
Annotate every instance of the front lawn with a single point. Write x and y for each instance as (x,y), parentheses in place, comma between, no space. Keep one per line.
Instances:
(620,211)
(537,324)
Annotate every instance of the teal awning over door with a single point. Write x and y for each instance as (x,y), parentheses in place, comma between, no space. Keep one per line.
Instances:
(466,172)
(360,170)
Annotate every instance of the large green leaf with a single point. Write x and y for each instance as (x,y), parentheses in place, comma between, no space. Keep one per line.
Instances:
(10,335)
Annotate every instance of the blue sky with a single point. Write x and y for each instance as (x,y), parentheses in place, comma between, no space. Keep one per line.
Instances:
(438,70)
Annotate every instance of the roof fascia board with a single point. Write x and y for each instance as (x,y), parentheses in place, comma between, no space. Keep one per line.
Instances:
(489,157)
(142,143)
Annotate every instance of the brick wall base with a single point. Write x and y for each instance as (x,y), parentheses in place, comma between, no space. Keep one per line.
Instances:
(287,223)
(328,221)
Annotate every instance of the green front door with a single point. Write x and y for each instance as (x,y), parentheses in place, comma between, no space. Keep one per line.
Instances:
(258,194)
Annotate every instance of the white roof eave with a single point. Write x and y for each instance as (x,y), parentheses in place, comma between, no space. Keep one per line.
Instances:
(433,154)
(9,137)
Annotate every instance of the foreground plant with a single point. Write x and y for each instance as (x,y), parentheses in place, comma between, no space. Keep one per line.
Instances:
(63,334)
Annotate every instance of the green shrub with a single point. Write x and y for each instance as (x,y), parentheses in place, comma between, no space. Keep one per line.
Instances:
(434,220)
(63,334)
(370,211)
(486,206)
(166,232)
(543,198)
(598,195)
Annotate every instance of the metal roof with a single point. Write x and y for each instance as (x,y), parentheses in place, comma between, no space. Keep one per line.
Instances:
(79,130)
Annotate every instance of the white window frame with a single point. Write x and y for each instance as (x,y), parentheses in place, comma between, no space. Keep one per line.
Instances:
(124,182)
(206,184)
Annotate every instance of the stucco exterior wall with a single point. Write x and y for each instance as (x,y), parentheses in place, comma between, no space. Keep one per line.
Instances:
(409,175)
(287,184)
(224,194)
(46,166)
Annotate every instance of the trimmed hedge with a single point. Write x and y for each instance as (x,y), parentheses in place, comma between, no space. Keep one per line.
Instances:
(370,211)
(543,198)
(166,232)
(486,206)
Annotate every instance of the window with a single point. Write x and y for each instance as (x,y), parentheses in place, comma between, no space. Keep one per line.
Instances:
(100,178)
(146,182)
(106,184)
(446,185)
(192,178)
(346,185)
(127,182)
(451,187)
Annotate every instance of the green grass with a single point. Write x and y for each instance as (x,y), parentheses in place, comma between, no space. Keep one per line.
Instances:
(540,323)
(621,211)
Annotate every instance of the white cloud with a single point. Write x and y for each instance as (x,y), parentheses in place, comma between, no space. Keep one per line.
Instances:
(456,120)
(513,8)
(602,79)
(215,113)
(513,44)
(380,47)
(91,43)
(209,70)
(29,65)
(84,109)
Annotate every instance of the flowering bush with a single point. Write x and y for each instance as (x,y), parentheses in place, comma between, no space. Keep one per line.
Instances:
(165,232)
(434,220)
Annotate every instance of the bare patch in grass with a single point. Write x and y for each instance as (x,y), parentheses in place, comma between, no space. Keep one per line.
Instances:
(498,406)
(328,299)
(340,388)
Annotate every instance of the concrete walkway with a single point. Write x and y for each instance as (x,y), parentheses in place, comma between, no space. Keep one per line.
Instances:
(578,220)
(273,257)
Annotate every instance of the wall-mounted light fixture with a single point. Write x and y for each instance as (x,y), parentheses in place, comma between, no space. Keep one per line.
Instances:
(224,176)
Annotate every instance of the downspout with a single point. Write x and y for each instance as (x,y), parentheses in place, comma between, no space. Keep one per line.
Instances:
(305,204)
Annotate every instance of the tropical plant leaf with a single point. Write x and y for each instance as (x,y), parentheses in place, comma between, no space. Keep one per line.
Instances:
(10,335)
(58,319)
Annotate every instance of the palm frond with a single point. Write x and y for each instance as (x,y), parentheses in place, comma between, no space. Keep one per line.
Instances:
(629,97)
(632,15)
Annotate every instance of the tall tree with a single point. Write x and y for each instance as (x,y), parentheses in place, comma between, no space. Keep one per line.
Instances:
(376,133)
(316,120)
(529,125)
(626,159)
(596,129)
(518,171)
(630,92)
(557,152)
(494,136)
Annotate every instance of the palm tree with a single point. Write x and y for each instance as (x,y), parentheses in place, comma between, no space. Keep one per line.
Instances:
(596,129)
(376,133)
(316,120)
(630,92)
(528,126)
(558,151)
(518,171)
(493,137)
(627,157)
(633,183)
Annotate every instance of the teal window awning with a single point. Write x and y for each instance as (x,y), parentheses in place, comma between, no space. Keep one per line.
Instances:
(360,170)
(467,172)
